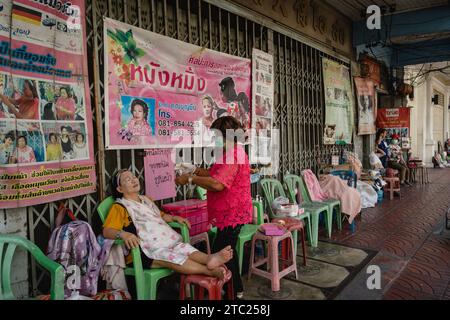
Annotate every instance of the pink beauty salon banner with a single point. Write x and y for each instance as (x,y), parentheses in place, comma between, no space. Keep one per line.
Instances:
(46,145)
(163,92)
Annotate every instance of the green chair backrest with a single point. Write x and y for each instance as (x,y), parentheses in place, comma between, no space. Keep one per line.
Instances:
(293,182)
(272,189)
(104,206)
(201,193)
(259,206)
(8,245)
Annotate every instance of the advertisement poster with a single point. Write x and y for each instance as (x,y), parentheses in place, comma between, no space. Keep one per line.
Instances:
(338,103)
(396,121)
(262,106)
(46,141)
(367,109)
(159,173)
(163,92)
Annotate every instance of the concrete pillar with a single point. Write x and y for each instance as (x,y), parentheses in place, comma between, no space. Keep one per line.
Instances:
(429,142)
(446,113)
(14,221)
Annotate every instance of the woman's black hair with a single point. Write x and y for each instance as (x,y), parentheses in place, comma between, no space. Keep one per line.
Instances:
(226,123)
(52,135)
(114,183)
(379,133)
(79,134)
(220,112)
(242,99)
(142,104)
(10,135)
(227,88)
(48,112)
(69,94)
(25,138)
(32,88)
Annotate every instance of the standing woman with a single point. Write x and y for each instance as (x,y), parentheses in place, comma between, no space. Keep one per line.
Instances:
(66,143)
(382,149)
(229,195)
(27,106)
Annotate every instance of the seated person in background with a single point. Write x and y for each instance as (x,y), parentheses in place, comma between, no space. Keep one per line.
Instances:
(438,161)
(397,162)
(139,222)
(382,149)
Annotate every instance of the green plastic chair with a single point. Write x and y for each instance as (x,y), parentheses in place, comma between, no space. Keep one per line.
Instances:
(9,243)
(293,182)
(272,188)
(247,232)
(146,279)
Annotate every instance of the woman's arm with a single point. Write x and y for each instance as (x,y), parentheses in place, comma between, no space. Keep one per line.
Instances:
(130,239)
(202,172)
(207,183)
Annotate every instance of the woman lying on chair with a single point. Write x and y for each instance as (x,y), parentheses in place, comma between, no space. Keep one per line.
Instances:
(139,222)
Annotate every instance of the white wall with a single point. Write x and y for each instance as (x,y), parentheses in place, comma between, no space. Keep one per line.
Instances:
(423,144)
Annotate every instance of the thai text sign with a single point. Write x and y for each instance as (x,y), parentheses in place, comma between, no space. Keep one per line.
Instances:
(163,92)
(160,173)
(393,118)
(46,147)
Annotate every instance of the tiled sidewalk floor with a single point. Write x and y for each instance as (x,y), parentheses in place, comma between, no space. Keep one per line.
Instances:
(414,250)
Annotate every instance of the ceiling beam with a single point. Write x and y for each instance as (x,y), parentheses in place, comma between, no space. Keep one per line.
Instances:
(420,22)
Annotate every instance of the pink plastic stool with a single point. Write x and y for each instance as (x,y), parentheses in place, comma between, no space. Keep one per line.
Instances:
(272,259)
(292,225)
(199,238)
(212,284)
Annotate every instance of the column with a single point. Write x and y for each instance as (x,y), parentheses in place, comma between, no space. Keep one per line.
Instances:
(429,142)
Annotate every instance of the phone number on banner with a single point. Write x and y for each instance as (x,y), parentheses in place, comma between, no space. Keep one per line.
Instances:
(177,123)
(178,132)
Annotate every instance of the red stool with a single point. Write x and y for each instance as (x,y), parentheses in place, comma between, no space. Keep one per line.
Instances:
(393,185)
(212,284)
(292,225)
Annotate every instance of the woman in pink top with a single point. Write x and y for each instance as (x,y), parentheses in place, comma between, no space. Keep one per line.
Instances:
(229,194)
(65,105)
(24,153)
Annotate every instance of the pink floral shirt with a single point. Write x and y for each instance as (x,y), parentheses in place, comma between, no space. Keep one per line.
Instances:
(233,205)
(139,129)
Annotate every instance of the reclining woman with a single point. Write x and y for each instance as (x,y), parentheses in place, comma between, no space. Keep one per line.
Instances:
(139,222)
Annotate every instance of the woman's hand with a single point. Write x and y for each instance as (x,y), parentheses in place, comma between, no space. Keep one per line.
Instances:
(130,239)
(183,179)
(181,220)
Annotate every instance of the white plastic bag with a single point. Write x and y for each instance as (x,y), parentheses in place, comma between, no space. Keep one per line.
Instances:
(375,162)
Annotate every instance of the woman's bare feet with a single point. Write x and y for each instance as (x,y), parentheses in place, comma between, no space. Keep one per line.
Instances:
(217,259)
(219,272)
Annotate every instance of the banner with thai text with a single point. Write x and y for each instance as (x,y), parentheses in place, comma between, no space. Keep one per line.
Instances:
(396,121)
(339,106)
(159,171)
(161,92)
(367,109)
(262,107)
(46,144)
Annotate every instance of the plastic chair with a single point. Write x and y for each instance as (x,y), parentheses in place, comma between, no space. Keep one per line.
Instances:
(271,187)
(272,260)
(9,243)
(146,279)
(293,182)
(352,181)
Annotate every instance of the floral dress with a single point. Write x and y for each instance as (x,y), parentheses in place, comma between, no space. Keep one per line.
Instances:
(138,129)
(158,240)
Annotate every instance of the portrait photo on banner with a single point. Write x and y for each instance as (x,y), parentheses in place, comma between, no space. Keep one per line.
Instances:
(137,116)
